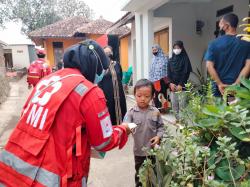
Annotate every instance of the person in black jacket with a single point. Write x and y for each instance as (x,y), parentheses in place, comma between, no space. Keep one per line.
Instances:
(179,68)
(113,89)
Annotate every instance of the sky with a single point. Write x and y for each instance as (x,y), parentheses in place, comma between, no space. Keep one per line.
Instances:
(12,33)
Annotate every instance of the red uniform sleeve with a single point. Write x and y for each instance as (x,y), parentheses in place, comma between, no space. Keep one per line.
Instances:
(101,134)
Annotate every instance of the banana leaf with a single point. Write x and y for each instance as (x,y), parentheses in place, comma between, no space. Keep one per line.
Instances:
(246,83)
(245,94)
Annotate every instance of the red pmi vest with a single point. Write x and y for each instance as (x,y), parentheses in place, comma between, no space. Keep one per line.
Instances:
(21,163)
(36,71)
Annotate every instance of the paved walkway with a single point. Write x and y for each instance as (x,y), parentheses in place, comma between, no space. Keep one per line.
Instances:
(115,170)
(11,109)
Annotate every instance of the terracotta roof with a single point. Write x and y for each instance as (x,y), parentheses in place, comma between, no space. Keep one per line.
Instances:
(75,26)
(98,26)
(121,31)
(101,26)
(64,28)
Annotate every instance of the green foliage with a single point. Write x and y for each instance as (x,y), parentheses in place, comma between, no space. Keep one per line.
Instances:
(211,147)
(70,8)
(35,14)
(4,12)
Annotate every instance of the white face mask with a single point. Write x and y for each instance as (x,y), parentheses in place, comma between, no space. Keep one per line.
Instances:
(98,78)
(177,51)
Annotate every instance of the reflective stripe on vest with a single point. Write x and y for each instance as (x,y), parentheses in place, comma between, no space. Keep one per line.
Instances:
(103,145)
(41,175)
(1,185)
(81,89)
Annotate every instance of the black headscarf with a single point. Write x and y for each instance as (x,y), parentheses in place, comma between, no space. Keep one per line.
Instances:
(179,65)
(178,62)
(88,57)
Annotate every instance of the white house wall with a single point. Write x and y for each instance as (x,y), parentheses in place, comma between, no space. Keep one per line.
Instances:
(183,28)
(132,55)
(20,55)
(184,16)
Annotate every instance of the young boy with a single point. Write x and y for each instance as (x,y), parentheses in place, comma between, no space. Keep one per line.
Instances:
(149,123)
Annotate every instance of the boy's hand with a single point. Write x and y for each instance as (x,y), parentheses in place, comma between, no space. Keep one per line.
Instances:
(155,140)
(128,130)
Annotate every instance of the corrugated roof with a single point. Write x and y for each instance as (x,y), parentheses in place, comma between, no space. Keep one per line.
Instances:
(120,24)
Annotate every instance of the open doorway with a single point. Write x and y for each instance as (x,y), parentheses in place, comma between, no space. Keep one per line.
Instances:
(58,53)
(162,38)
(8,59)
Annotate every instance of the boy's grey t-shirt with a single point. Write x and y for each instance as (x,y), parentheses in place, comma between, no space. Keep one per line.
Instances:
(149,124)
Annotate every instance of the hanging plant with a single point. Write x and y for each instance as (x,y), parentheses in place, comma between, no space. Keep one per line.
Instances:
(246,28)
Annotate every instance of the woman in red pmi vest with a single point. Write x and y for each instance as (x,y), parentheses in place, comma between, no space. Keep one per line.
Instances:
(64,117)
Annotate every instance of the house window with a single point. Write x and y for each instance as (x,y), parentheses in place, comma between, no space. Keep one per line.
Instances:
(58,52)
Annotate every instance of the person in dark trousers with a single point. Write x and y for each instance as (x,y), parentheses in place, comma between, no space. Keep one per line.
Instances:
(113,89)
(158,75)
(179,69)
(149,128)
(227,57)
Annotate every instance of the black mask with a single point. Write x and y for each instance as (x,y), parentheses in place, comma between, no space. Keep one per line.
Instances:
(111,56)
(222,32)
(155,53)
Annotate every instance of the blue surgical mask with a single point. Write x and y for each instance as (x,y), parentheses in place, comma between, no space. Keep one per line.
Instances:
(98,78)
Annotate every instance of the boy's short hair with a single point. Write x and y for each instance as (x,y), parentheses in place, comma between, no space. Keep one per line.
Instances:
(144,83)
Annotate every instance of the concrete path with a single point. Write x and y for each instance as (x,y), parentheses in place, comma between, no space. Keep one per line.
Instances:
(117,168)
(11,109)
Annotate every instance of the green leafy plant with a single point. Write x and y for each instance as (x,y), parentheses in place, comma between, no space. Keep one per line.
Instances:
(212,146)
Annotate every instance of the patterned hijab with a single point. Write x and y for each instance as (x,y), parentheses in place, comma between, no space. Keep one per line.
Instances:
(158,68)
(88,57)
